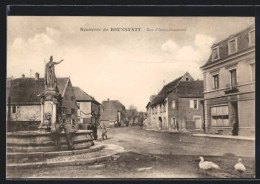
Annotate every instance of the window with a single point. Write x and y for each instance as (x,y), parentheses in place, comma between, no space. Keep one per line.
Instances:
(215,81)
(233,75)
(173,104)
(253,72)
(187,79)
(215,53)
(72,98)
(73,111)
(219,116)
(252,37)
(194,104)
(13,109)
(232,46)
(64,109)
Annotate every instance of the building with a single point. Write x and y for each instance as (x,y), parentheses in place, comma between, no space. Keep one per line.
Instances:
(113,113)
(24,102)
(229,91)
(177,106)
(88,108)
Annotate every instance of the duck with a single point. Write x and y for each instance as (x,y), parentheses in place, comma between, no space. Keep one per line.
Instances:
(206,165)
(240,167)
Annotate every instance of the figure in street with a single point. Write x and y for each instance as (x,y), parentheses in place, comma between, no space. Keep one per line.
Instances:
(70,133)
(55,134)
(104,132)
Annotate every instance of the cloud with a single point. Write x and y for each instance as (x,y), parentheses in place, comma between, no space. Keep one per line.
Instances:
(197,51)
(55,33)
(169,46)
(202,40)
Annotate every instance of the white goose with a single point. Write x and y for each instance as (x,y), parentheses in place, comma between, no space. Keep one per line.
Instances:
(240,167)
(206,165)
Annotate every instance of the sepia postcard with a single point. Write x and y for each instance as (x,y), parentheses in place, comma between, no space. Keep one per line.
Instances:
(130,97)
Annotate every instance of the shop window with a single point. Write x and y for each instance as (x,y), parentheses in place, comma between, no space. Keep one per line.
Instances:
(219,116)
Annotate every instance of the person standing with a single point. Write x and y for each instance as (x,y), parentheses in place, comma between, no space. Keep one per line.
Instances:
(70,133)
(55,134)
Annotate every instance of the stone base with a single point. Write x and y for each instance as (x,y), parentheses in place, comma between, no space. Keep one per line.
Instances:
(36,141)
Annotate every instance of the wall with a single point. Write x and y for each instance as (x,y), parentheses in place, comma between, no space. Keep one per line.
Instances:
(172,113)
(27,113)
(69,103)
(244,96)
(186,113)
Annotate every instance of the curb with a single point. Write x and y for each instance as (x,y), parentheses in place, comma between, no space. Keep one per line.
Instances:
(56,153)
(62,163)
(224,137)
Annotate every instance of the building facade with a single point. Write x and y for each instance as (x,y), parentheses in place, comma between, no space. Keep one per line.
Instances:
(88,108)
(24,102)
(178,106)
(229,88)
(113,113)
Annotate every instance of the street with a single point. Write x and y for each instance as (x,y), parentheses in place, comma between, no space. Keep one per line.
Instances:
(150,154)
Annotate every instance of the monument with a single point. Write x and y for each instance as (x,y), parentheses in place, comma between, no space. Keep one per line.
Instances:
(40,141)
(51,98)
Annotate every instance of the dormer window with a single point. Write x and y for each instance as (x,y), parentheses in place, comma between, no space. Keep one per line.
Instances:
(215,53)
(252,37)
(232,46)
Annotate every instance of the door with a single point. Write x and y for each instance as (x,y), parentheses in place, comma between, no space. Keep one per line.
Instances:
(173,124)
(197,120)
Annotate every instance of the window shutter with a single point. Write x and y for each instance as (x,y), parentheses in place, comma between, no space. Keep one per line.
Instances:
(191,103)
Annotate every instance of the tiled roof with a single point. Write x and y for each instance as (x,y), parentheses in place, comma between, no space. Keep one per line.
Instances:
(111,108)
(165,90)
(190,89)
(83,96)
(242,45)
(25,90)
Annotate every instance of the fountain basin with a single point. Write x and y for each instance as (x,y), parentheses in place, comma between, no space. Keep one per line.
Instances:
(34,141)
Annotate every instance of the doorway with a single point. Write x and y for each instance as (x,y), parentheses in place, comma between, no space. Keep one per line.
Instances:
(197,120)
(160,123)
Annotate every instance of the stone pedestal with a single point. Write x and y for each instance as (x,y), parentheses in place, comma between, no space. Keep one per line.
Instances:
(50,102)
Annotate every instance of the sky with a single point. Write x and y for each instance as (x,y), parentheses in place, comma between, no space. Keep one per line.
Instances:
(124,66)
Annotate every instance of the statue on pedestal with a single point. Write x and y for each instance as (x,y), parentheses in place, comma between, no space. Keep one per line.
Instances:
(50,79)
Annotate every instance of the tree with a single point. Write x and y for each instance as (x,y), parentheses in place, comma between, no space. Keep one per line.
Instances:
(132,107)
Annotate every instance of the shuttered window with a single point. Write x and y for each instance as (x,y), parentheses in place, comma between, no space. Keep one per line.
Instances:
(219,116)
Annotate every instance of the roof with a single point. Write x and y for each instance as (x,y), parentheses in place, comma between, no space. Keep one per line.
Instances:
(165,90)
(182,88)
(83,96)
(110,109)
(25,90)
(242,45)
(190,89)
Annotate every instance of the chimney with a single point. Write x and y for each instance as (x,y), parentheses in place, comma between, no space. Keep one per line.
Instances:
(23,76)
(108,99)
(37,75)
